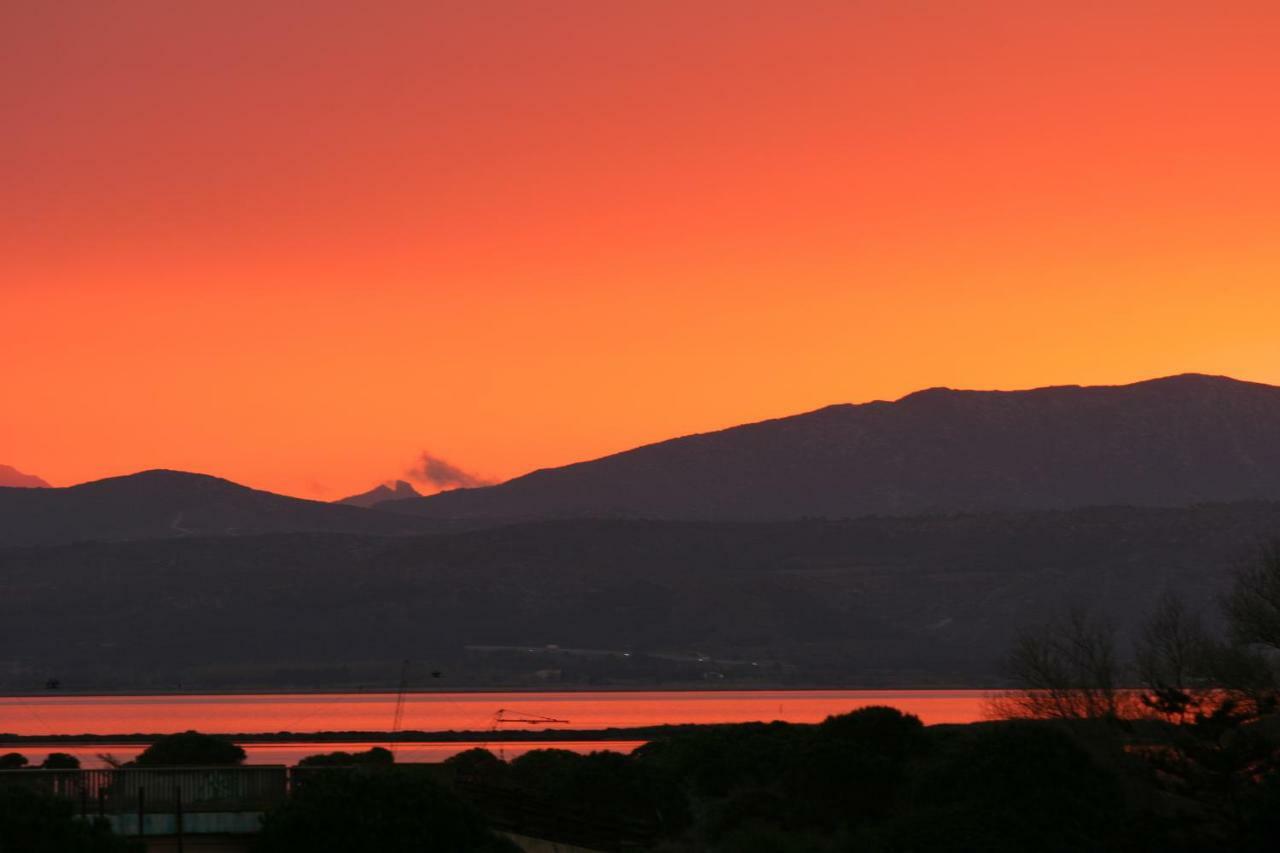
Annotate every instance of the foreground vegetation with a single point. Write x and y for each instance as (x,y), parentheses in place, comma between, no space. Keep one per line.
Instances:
(34,823)
(872,780)
(1174,747)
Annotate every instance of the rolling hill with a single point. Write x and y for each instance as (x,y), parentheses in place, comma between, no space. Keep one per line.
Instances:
(875,601)
(1165,442)
(173,504)
(11,477)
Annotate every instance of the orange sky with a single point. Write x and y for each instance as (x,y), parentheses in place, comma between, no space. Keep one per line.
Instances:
(296,249)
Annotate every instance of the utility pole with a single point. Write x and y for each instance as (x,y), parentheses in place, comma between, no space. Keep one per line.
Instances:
(398,718)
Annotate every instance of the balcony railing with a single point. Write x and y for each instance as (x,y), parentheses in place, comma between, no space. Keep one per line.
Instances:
(130,790)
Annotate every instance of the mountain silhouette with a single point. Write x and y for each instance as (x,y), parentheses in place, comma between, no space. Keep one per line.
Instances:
(171,504)
(11,477)
(400,490)
(1165,442)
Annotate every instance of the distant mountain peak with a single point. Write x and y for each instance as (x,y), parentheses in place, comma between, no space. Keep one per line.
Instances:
(1189,380)
(398,490)
(13,478)
(1194,377)
(170,475)
(166,481)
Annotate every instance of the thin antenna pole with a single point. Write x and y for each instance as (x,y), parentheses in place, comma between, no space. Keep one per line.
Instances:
(398,718)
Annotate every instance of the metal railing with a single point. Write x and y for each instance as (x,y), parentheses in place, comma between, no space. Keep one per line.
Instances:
(197,800)
(128,790)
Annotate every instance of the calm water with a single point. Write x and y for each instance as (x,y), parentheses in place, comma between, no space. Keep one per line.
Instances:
(290,753)
(42,715)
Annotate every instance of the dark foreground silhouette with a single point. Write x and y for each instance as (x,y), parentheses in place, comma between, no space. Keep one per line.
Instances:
(1177,750)
(871,780)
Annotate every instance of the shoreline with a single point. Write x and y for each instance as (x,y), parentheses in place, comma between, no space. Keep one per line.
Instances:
(480,736)
(372,738)
(428,691)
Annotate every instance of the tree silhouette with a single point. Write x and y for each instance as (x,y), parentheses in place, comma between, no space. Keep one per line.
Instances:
(376,755)
(60,761)
(190,749)
(1253,607)
(1065,669)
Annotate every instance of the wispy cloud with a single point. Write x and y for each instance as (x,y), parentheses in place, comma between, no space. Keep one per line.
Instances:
(442,474)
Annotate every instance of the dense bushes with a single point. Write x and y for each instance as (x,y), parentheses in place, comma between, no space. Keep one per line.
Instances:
(390,811)
(374,756)
(190,749)
(571,788)
(1194,710)
(876,780)
(31,822)
(1012,786)
(780,779)
(873,781)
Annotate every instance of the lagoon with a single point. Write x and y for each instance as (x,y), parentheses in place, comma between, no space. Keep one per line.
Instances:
(492,713)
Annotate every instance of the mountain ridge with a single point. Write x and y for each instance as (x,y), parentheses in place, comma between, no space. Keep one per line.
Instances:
(1168,441)
(1174,441)
(166,504)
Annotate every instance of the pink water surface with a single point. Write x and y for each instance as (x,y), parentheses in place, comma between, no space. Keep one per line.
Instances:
(313,712)
(95,755)
(434,712)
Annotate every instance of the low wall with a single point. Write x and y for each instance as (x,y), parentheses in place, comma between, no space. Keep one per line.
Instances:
(201,844)
(193,823)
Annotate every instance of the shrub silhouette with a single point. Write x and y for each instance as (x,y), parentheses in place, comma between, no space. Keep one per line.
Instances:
(478,765)
(384,810)
(1013,786)
(715,760)
(190,749)
(60,761)
(605,782)
(376,755)
(34,823)
(855,766)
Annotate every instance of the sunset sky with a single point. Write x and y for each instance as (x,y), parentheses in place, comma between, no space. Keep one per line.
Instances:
(299,244)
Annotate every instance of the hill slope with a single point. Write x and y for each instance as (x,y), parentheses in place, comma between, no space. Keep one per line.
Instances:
(1165,442)
(876,601)
(11,477)
(172,504)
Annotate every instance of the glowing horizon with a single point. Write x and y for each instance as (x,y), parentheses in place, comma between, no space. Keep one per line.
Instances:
(298,252)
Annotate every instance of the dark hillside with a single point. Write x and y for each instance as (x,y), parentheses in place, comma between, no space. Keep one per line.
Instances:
(1168,442)
(876,601)
(173,504)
